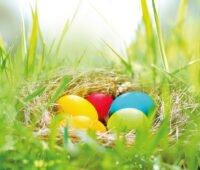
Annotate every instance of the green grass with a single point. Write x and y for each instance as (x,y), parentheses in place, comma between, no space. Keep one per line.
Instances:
(167,58)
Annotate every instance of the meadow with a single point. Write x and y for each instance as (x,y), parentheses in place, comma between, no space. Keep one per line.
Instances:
(168,61)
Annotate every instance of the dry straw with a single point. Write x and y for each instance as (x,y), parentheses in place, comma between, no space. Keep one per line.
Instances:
(109,82)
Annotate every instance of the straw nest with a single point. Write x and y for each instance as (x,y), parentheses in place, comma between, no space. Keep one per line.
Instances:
(109,82)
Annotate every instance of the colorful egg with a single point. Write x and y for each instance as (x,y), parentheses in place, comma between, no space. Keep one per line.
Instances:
(137,100)
(84,122)
(98,126)
(76,106)
(125,120)
(81,122)
(102,103)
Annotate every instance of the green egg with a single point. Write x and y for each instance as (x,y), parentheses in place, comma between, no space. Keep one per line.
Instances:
(125,120)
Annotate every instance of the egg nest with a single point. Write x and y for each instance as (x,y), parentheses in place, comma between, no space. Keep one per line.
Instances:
(109,82)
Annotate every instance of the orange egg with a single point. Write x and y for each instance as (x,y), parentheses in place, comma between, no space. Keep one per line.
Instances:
(84,122)
(98,126)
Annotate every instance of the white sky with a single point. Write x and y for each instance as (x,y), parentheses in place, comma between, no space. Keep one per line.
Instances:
(99,17)
(114,21)
(120,16)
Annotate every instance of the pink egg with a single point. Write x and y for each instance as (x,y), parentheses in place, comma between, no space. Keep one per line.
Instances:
(102,103)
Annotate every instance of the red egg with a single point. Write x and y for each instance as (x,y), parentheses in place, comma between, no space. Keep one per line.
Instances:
(102,104)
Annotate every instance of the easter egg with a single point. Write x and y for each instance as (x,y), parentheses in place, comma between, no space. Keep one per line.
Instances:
(75,106)
(98,126)
(84,122)
(126,120)
(102,103)
(137,100)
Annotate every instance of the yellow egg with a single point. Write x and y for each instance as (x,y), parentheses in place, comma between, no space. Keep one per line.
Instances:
(98,126)
(84,122)
(76,106)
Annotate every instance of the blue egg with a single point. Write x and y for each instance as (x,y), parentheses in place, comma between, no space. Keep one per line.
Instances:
(137,100)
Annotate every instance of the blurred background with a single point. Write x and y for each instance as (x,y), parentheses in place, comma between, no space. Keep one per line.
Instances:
(113,21)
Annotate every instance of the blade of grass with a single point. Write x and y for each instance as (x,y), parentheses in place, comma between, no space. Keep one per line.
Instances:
(124,62)
(169,75)
(2,58)
(105,20)
(66,136)
(43,53)
(65,30)
(151,50)
(1,42)
(50,49)
(182,12)
(34,94)
(77,63)
(161,137)
(147,20)
(22,102)
(186,66)
(59,90)
(24,46)
(31,57)
(54,127)
(195,69)
(161,44)
(6,63)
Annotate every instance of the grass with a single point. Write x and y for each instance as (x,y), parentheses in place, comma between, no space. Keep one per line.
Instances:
(32,71)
